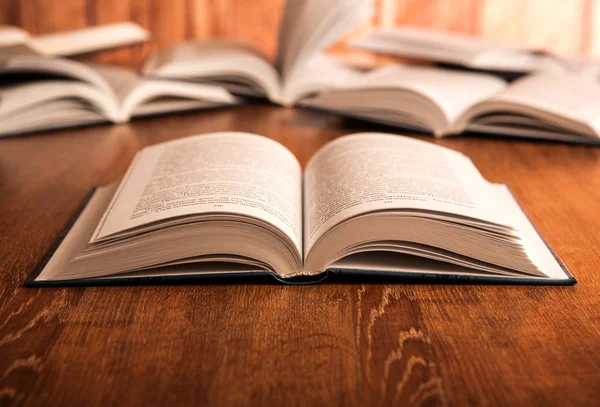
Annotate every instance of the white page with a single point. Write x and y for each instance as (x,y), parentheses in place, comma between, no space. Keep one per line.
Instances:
(321,73)
(235,173)
(568,95)
(89,39)
(11,35)
(133,91)
(16,99)
(455,48)
(69,69)
(14,41)
(310,26)
(366,172)
(161,96)
(121,81)
(425,43)
(453,92)
(216,60)
(537,249)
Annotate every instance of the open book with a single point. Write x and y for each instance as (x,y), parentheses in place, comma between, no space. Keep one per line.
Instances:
(16,41)
(236,203)
(42,93)
(560,107)
(307,28)
(457,49)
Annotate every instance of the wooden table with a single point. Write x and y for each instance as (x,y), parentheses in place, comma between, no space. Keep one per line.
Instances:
(329,344)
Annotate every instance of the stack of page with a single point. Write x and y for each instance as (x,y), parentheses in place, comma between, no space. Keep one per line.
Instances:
(40,91)
(43,93)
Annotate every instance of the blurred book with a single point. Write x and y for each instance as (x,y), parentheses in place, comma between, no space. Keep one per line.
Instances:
(459,50)
(40,93)
(307,28)
(555,106)
(16,41)
(44,93)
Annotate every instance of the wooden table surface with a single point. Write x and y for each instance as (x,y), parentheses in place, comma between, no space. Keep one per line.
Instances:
(353,343)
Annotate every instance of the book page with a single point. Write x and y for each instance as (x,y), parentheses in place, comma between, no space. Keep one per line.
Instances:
(11,35)
(229,63)
(34,68)
(310,26)
(321,73)
(89,39)
(22,101)
(162,96)
(369,172)
(121,81)
(174,59)
(219,173)
(453,92)
(569,96)
(454,48)
(134,94)
(417,42)
(14,41)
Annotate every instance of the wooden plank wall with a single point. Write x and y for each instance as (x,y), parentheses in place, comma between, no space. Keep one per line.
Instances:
(559,25)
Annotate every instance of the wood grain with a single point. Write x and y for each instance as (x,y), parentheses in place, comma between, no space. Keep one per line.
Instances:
(349,343)
(457,16)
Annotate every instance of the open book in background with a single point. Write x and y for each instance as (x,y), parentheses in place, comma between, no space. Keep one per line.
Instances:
(307,28)
(560,106)
(43,93)
(16,41)
(236,203)
(468,52)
